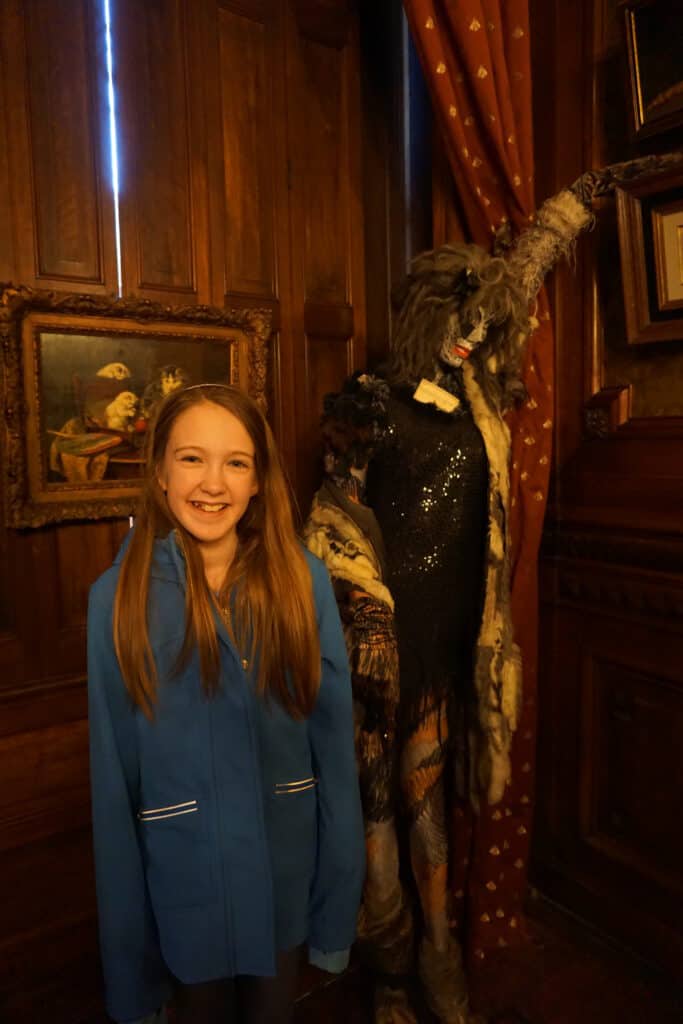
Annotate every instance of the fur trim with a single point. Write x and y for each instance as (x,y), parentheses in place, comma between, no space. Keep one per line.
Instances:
(334,537)
(498,662)
(551,236)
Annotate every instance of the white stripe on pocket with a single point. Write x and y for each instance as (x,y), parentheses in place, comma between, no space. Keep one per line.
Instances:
(172,811)
(174,814)
(282,788)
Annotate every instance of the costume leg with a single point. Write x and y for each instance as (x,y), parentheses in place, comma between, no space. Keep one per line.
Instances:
(385,934)
(385,924)
(422,776)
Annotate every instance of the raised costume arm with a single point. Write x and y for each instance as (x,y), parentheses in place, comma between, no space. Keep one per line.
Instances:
(562,217)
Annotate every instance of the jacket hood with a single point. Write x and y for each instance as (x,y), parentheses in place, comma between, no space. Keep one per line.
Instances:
(168,562)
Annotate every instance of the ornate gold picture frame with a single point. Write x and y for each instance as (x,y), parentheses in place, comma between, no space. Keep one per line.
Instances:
(81,378)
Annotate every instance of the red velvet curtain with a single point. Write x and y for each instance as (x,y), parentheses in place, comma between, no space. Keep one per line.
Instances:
(476,59)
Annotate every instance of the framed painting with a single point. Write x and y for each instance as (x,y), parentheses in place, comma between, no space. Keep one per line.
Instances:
(82,378)
(654,37)
(650,220)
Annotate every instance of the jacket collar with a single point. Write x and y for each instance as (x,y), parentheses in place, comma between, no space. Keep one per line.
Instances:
(168,564)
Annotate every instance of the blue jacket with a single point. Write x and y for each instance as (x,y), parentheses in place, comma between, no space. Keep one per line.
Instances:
(224,830)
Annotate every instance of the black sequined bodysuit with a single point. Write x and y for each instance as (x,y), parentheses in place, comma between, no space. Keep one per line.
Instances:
(427,485)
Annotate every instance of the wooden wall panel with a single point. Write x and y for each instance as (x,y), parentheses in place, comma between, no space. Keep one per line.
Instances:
(608,834)
(627,811)
(246,105)
(164,229)
(7,245)
(64,130)
(92,547)
(246,54)
(241,185)
(328,285)
(329,360)
(62,206)
(45,791)
(320,166)
(20,646)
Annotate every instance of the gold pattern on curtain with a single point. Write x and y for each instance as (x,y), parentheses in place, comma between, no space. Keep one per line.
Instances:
(476,58)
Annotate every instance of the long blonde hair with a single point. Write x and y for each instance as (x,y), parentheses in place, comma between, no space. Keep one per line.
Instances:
(274,620)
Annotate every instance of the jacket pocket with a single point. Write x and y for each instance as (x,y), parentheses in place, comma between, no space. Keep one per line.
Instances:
(177,864)
(293,818)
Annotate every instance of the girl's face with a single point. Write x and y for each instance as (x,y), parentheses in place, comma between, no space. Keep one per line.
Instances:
(209,476)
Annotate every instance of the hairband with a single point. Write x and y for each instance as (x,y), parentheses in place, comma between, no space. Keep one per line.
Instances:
(207,384)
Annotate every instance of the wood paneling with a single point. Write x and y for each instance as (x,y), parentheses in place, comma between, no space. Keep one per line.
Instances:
(7,247)
(164,226)
(64,130)
(324,141)
(241,185)
(319,168)
(54,106)
(626,811)
(247,104)
(246,53)
(609,830)
(45,791)
(329,360)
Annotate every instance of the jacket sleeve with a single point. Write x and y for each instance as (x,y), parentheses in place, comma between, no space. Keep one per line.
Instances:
(136,978)
(340,870)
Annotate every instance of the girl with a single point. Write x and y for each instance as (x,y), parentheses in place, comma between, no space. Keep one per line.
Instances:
(226,815)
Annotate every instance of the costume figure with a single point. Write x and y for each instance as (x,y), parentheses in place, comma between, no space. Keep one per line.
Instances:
(412,523)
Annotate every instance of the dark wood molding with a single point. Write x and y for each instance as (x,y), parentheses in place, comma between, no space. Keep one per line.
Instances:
(324,21)
(621,594)
(607,411)
(634,549)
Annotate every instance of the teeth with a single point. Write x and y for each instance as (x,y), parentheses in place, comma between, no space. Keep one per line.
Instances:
(208,508)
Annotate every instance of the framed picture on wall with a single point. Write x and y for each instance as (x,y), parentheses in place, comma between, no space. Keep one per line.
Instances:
(83,376)
(650,219)
(654,45)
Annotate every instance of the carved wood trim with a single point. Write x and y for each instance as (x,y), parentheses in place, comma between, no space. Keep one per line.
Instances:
(254,10)
(323,21)
(646,551)
(606,411)
(618,593)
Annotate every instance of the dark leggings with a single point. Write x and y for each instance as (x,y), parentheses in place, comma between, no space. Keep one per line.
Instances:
(244,999)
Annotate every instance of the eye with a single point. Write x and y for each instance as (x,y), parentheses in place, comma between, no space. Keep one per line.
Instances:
(239,464)
(190,458)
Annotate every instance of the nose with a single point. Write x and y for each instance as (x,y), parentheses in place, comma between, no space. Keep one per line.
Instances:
(213,481)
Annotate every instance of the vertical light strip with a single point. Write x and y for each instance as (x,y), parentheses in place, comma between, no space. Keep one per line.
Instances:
(113,144)
(407,137)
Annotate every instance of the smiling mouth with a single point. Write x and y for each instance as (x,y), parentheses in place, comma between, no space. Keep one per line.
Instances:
(205,506)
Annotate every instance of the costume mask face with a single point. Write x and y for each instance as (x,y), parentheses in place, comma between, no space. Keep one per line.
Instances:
(458,345)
